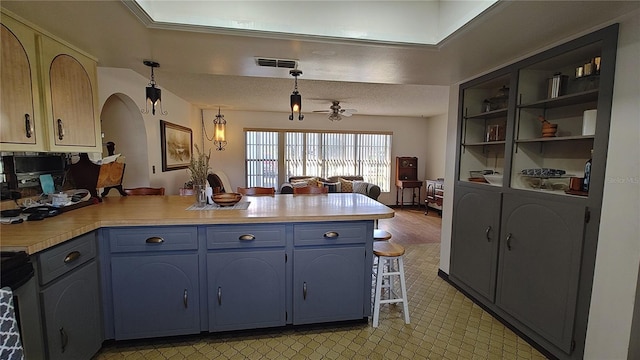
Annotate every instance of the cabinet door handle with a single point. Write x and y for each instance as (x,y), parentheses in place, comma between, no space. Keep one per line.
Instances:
(60,129)
(28,127)
(487,233)
(154,240)
(219,295)
(72,256)
(331,234)
(304,290)
(185,299)
(509,242)
(247,237)
(64,339)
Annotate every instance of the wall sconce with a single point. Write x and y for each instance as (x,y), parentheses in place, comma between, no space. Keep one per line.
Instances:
(296,99)
(154,94)
(219,131)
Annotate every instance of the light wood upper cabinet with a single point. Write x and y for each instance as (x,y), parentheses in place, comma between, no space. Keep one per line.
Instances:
(20,115)
(52,101)
(69,97)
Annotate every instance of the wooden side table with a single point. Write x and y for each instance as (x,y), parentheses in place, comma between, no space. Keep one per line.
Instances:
(408,184)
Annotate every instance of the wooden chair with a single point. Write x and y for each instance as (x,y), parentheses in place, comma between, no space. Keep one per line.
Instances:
(310,190)
(257,190)
(145,191)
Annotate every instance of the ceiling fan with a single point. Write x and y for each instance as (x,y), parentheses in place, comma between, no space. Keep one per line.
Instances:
(336,112)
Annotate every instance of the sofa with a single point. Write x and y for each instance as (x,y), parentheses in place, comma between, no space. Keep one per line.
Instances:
(334,183)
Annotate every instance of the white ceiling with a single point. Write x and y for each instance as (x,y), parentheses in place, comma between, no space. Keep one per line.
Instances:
(213,67)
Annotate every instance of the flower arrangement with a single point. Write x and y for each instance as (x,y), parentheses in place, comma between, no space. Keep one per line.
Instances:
(199,167)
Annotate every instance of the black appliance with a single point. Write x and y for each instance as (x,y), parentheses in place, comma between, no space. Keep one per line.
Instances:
(23,171)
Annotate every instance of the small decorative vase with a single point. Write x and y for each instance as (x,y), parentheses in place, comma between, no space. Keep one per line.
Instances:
(199,191)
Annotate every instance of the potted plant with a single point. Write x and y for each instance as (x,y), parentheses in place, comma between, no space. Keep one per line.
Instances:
(199,169)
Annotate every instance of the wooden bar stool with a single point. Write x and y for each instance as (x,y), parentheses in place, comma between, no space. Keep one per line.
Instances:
(381,235)
(388,253)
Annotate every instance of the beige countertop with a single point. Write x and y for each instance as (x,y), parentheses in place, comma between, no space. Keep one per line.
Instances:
(34,236)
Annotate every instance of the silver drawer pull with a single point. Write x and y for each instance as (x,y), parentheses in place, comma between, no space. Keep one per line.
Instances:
(219,295)
(304,290)
(185,299)
(247,237)
(64,340)
(331,234)
(509,241)
(155,240)
(72,256)
(487,233)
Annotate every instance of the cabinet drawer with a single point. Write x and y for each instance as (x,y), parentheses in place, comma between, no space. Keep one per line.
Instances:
(153,239)
(332,233)
(66,257)
(245,236)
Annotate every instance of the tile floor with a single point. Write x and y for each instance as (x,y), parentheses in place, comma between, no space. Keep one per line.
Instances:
(444,325)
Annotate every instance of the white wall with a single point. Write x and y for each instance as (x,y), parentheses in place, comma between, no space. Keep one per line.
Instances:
(127,82)
(437,134)
(618,254)
(411,137)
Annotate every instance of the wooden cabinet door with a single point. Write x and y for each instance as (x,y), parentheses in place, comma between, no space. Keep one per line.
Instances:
(540,252)
(20,120)
(155,295)
(246,289)
(72,311)
(475,238)
(70,90)
(327,284)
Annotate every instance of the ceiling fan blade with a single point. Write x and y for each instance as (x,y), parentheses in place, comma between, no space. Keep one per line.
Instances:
(322,111)
(347,114)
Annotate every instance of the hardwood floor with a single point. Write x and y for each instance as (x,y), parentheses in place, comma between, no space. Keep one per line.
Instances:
(411,226)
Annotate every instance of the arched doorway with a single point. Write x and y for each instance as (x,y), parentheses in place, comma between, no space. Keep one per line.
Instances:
(122,123)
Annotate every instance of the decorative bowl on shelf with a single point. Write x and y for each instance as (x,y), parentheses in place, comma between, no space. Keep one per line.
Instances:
(226,199)
(543,172)
(493,179)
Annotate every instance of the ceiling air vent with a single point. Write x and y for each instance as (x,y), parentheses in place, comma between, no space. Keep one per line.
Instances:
(279,63)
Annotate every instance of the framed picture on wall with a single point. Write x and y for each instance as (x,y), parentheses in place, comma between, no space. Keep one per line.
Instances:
(176,142)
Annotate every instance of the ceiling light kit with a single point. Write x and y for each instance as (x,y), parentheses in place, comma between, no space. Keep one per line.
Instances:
(296,99)
(336,112)
(153,94)
(219,131)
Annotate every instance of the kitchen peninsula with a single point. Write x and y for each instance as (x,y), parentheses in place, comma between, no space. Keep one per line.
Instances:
(164,270)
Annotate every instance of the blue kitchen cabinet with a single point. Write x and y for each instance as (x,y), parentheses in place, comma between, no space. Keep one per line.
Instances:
(246,289)
(328,272)
(154,281)
(70,298)
(246,276)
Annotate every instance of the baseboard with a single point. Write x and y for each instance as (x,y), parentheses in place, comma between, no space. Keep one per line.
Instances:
(444,276)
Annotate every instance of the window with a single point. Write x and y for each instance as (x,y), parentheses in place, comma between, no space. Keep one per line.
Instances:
(314,153)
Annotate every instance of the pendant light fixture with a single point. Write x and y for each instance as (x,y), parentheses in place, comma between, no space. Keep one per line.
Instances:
(296,99)
(219,131)
(153,94)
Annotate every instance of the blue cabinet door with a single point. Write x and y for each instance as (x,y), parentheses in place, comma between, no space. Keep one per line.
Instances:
(71,306)
(155,295)
(328,284)
(246,289)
